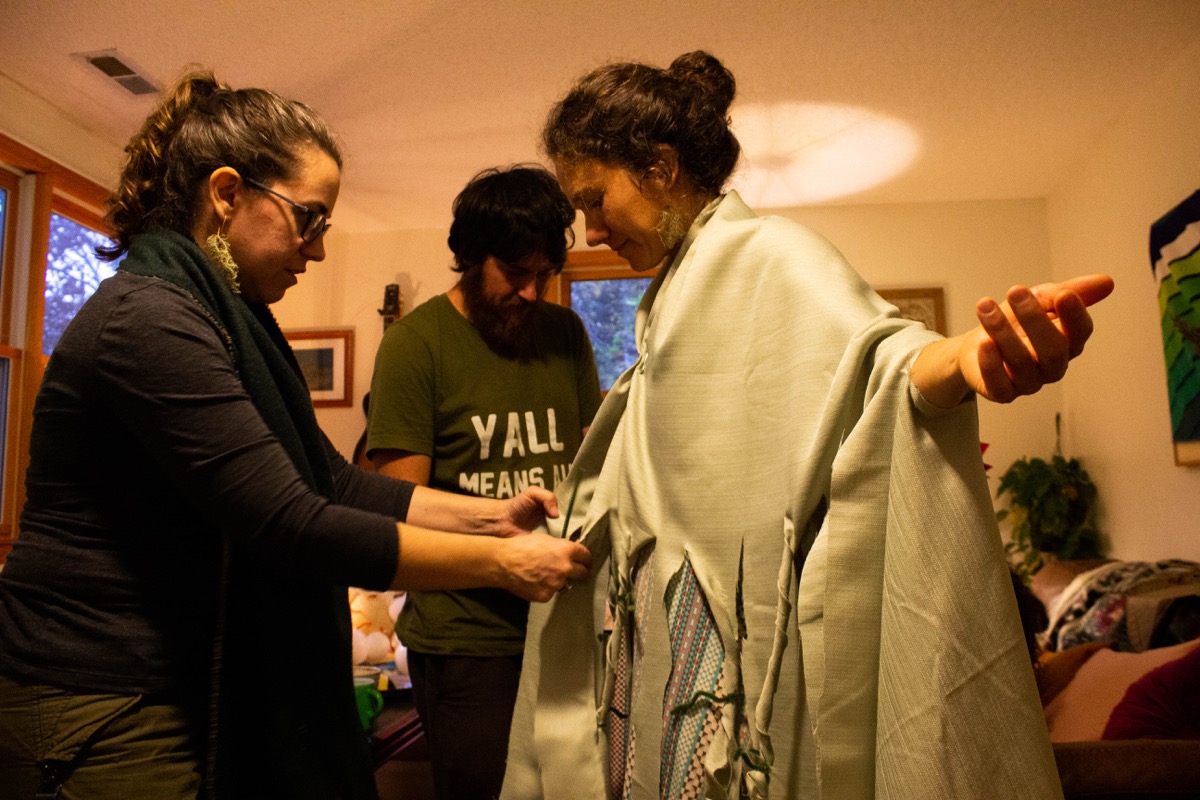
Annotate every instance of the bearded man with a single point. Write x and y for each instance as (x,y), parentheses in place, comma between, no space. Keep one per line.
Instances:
(483,390)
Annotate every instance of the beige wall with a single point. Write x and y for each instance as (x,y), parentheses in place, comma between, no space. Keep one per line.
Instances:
(1116,400)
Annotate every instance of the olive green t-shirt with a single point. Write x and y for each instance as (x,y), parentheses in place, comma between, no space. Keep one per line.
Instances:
(491,426)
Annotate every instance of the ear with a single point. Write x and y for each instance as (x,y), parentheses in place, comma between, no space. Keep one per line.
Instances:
(221,191)
(663,174)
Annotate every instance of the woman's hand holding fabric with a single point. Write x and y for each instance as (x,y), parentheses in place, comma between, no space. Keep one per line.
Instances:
(538,566)
(526,511)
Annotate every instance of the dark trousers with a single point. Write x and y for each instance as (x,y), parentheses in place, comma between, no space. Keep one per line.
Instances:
(466,706)
(91,746)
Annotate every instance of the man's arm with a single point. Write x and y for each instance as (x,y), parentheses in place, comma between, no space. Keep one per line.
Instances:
(403,465)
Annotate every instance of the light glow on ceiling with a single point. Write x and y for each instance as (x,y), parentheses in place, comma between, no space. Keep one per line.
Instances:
(798,154)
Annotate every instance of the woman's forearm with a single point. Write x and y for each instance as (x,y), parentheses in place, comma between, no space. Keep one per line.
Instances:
(937,375)
(431,560)
(461,513)
(534,566)
(445,511)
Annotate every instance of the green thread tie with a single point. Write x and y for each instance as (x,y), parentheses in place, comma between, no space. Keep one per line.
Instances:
(753,759)
(570,508)
(702,695)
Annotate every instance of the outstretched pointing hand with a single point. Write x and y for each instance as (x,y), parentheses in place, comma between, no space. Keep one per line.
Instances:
(1019,346)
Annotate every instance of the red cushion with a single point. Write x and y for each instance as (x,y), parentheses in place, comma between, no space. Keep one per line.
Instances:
(1081,710)
(1162,704)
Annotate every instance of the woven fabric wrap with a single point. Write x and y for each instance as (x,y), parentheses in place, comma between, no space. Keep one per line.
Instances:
(839,530)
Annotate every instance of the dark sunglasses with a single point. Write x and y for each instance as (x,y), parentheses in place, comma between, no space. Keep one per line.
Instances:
(312,225)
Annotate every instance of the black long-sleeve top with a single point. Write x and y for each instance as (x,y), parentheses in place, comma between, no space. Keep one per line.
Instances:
(146,451)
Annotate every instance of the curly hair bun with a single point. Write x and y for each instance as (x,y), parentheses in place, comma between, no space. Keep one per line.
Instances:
(706,71)
(620,113)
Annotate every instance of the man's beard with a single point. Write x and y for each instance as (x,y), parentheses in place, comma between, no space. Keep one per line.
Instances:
(510,331)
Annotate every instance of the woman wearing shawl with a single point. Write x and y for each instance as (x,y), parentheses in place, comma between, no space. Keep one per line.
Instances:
(808,595)
(189,532)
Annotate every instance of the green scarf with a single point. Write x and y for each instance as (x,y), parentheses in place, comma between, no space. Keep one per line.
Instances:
(260,352)
(263,739)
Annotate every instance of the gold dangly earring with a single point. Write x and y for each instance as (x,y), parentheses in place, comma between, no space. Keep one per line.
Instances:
(670,228)
(216,247)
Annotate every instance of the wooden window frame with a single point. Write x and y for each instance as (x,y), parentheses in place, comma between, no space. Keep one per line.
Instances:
(13,475)
(590,265)
(10,182)
(55,189)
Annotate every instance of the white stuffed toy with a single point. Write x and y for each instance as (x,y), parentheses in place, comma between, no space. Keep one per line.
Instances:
(373,615)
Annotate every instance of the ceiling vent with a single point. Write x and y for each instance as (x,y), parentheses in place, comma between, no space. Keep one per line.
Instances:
(118,68)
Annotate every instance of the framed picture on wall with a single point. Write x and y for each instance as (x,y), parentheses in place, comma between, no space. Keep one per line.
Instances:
(1175,260)
(927,306)
(326,358)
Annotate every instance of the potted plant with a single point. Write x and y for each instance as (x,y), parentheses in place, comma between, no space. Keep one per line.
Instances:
(1052,509)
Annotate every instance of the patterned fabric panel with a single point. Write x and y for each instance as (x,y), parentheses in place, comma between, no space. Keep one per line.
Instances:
(633,646)
(695,691)
(691,710)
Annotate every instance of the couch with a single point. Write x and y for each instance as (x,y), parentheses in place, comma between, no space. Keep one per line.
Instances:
(1119,675)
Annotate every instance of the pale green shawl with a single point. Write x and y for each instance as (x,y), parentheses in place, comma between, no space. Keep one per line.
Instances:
(878,644)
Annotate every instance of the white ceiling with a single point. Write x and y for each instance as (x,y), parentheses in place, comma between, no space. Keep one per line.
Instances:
(1003,96)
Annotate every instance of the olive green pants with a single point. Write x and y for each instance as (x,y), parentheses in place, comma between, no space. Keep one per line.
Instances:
(93,746)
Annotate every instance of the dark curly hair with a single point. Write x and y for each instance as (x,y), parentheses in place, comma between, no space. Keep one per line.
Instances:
(511,213)
(620,113)
(200,126)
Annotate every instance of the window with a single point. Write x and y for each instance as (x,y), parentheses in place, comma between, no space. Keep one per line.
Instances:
(608,307)
(604,291)
(49,219)
(9,184)
(9,357)
(3,205)
(73,271)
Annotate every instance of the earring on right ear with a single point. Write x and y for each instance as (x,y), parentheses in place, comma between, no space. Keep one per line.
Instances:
(670,227)
(216,247)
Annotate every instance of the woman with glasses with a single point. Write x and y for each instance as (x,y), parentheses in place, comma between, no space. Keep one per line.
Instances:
(173,615)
